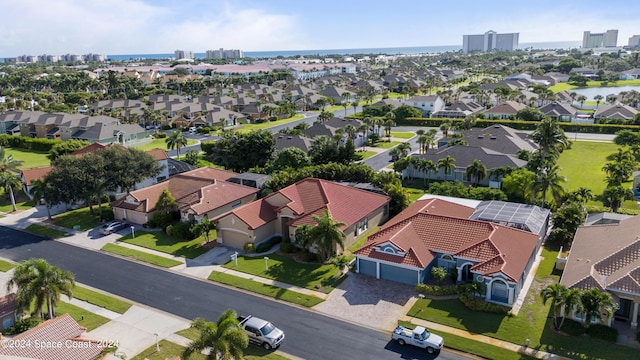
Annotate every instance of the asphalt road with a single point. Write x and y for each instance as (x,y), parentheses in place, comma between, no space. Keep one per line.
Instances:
(309,335)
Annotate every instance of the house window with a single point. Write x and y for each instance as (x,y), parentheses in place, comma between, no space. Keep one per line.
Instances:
(385,211)
(362,226)
(447,257)
(236,203)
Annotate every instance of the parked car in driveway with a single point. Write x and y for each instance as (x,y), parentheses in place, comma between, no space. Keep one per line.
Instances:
(112,227)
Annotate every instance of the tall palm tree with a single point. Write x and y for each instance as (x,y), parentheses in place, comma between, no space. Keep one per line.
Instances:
(595,303)
(447,164)
(364,129)
(550,137)
(176,141)
(571,300)
(548,179)
(225,338)
(9,167)
(38,280)
(326,234)
(405,149)
(427,166)
(555,293)
(598,98)
(476,170)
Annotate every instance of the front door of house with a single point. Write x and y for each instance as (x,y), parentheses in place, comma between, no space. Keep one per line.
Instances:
(624,311)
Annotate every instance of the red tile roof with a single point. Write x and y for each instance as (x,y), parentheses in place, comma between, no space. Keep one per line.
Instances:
(310,197)
(424,229)
(62,330)
(35,174)
(93,148)
(201,189)
(158,154)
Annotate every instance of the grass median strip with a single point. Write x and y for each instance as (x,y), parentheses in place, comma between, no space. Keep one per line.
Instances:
(46,231)
(102,300)
(84,317)
(140,255)
(264,289)
(6,266)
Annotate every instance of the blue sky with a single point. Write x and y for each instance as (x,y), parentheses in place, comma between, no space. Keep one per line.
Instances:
(112,27)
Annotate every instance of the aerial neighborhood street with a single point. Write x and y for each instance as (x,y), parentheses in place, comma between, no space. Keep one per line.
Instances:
(473,201)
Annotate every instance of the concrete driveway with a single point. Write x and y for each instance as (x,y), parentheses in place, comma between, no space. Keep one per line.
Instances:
(369,302)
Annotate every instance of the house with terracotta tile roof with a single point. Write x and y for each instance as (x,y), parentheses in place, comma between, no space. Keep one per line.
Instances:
(280,213)
(29,175)
(435,232)
(60,338)
(200,193)
(505,110)
(606,256)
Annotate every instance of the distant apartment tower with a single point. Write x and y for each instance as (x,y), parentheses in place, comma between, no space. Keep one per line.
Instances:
(182,54)
(224,54)
(489,41)
(634,41)
(596,40)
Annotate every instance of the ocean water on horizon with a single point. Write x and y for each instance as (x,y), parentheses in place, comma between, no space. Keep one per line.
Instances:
(368,51)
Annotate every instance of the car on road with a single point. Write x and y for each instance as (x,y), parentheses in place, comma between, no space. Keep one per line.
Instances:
(419,337)
(110,228)
(261,332)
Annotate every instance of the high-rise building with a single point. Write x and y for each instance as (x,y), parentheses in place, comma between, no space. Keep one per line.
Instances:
(490,41)
(184,54)
(224,54)
(634,41)
(597,40)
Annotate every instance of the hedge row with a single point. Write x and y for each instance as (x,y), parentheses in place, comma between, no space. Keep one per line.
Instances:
(27,143)
(522,125)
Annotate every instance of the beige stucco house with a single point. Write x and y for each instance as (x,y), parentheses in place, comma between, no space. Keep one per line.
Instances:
(280,213)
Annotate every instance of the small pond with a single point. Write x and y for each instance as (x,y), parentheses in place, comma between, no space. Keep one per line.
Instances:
(604,91)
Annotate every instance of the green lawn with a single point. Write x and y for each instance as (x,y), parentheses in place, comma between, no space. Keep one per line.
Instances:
(22,202)
(46,231)
(251,352)
(386,144)
(469,346)
(30,158)
(168,350)
(366,154)
(100,299)
(84,317)
(6,266)
(267,124)
(158,240)
(140,255)
(80,217)
(402,134)
(285,269)
(582,166)
(532,322)
(415,188)
(161,144)
(593,84)
(264,289)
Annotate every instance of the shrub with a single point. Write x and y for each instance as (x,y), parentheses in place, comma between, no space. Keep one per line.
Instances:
(287,247)
(22,325)
(439,273)
(267,245)
(476,304)
(249,248)
(166,127)
(603,332)
(572,327)
(160,220)
(273,118)
(181,230)
(436,290)
(308,256)
(160,135)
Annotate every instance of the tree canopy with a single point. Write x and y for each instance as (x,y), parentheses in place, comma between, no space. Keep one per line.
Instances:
(240,152)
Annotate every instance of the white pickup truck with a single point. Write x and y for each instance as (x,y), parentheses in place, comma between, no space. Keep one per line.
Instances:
(419,336)
(261,332)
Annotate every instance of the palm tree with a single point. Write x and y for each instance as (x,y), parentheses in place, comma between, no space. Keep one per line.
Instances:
(613,196)
(571,300)
(405,149)
(581,99)
(225,338)
(598,98)
(548,179)
(555,293)
(427,166)
(176,140)
(325,115)
(364,128)
(389,123)
(326,234)
(596,303)
(38,280)
(447,164)
(550,137)
(476,170)
(9,167)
